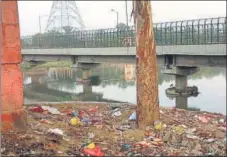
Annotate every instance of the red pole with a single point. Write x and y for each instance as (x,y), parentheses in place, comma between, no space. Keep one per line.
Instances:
(13,116)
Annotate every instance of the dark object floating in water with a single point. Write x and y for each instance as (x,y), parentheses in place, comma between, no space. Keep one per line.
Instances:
(189,91)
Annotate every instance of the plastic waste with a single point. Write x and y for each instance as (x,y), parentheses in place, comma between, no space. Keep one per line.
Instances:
(115,109)
(225,140)
(93,152)
(85,120)
(91,146)
(46,121)
(96,119)
(60,152)
(158,125)
(52,110)
(2,150)
(117,114)
(204,119)
(75,113)
(36,109)
(190,131)
(91,135)
(222,128)
(210,140)
(74,121)
(56,131)
(125,147)
(82,113)
(179,129)
(142,144)
(221,120)
(192,137)
(147,133)
(124,127)
(133,116)
(157,142)
(93,109)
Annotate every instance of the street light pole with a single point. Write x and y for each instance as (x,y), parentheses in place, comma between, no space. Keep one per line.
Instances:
(117,15)
(126,13)
(40,31)
(40,24)
(117,18)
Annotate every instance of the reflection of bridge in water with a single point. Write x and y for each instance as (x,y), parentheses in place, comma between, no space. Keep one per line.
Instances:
(60,83)
(61,73)
(127,70)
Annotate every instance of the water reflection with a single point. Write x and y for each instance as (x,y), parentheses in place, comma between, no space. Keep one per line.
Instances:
(116,83)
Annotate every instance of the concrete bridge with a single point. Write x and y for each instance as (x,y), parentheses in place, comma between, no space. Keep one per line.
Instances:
(181,46)
(176,55)
(200,42)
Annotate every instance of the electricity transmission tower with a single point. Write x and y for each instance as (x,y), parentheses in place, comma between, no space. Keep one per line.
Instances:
(64,14)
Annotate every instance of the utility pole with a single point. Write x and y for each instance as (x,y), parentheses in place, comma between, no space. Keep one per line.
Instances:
(146,62)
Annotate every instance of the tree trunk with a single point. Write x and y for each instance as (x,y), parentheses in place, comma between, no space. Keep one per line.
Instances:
(147,74)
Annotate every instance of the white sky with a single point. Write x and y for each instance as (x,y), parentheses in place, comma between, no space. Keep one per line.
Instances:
(97,14)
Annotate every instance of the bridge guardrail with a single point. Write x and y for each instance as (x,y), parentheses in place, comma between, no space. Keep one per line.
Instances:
(190,32)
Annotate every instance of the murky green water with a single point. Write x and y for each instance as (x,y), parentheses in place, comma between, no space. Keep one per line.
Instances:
(59,84)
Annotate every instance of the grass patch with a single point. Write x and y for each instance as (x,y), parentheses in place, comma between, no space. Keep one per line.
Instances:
(55,64)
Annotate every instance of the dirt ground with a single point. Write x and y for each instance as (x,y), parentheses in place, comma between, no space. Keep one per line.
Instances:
(104,130)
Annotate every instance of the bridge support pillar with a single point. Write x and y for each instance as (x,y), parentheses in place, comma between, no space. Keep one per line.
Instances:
(86,68)
(87,88)
(13,116)
(181,102)
(181,84)
(181,74)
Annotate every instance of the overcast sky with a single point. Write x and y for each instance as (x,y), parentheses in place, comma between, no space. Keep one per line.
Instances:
(97,14)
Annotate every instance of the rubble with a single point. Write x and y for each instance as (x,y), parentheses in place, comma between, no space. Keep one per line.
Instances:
(83,130)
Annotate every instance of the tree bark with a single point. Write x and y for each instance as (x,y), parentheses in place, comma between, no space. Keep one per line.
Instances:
(147,72)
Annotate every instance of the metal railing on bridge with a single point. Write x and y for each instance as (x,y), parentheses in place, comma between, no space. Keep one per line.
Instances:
(190,32)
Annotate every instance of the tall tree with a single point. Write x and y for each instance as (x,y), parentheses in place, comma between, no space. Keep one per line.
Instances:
(122,26)
(147,68)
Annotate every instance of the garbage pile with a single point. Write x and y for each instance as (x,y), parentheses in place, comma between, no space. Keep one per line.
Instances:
(102,130)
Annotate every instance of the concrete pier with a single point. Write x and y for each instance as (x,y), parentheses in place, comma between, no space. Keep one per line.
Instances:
(181,82)
(181,102)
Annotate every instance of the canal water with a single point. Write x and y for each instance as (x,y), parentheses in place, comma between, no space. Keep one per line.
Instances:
(117,83)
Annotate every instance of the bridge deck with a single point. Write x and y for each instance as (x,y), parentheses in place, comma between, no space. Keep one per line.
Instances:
(204,50)
(181,55)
